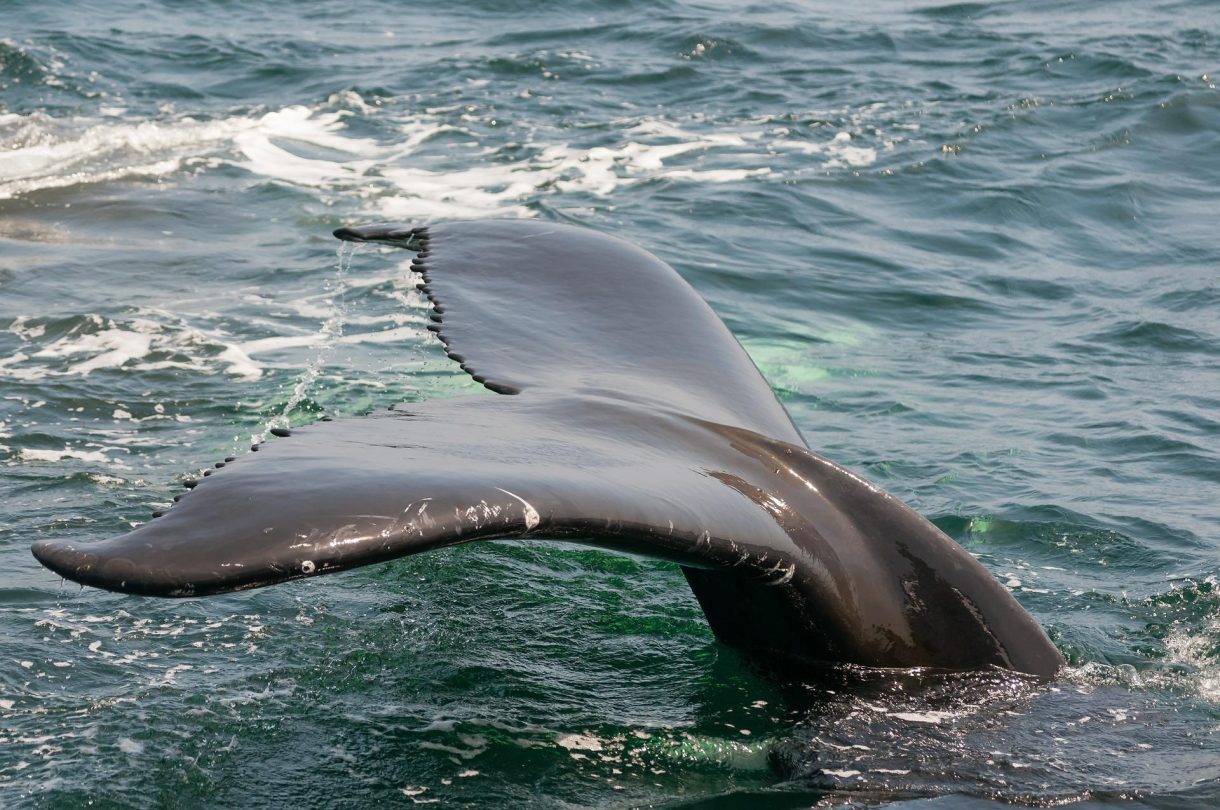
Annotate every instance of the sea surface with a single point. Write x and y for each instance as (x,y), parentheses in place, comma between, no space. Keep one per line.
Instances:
(974,248)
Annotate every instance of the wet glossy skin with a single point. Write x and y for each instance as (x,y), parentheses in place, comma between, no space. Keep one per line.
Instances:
(631,418)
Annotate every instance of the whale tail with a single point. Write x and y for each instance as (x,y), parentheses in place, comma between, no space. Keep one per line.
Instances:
(637,422)
(341,494)
(344,493)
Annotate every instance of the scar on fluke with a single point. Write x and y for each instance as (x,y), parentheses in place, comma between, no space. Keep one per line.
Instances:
(636,422)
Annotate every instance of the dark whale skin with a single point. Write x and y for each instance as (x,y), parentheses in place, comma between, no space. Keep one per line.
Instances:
(630,418)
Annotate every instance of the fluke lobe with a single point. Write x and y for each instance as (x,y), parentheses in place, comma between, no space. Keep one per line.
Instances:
(630,418)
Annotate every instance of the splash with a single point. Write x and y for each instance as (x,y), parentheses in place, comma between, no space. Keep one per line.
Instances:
(329,333)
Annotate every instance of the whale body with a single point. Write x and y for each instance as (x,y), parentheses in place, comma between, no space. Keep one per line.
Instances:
(629,417)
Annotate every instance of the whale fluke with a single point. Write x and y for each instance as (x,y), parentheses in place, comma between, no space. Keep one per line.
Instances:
(631,419)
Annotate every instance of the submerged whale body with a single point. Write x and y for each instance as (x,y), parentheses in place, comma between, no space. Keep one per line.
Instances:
(632,419)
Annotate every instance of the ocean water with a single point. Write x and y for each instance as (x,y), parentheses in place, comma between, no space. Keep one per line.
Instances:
(974,248)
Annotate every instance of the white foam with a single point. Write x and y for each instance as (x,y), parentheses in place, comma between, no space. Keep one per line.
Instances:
(94,456)
(497,189)
(109,348)
(275,344)
(715,175)
(107,343)
(238,362)
(21,328)
(839,151)
(492,190)
(55,153)
(266,148)
(579,742)
(311,147)
(931,717)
